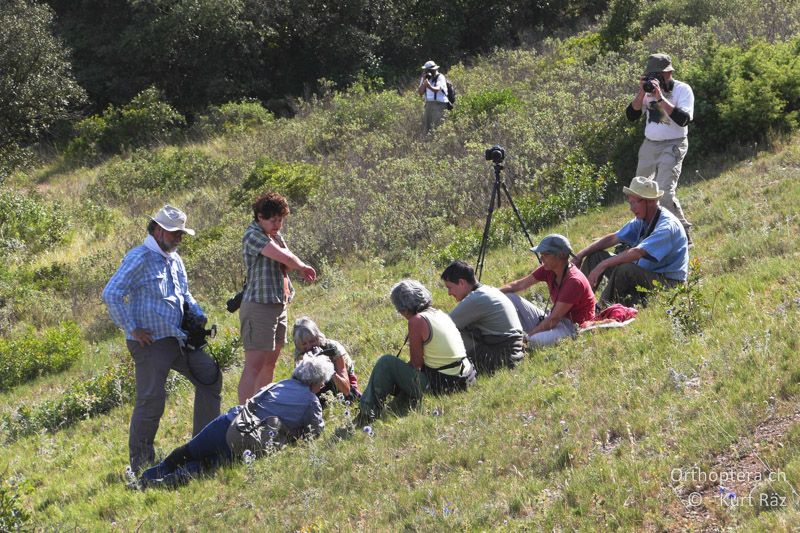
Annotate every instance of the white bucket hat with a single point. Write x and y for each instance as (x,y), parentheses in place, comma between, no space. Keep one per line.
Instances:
(643,188)
(172,219)
(430,65)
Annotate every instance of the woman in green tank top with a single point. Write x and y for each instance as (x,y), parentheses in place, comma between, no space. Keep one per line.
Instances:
(438,362)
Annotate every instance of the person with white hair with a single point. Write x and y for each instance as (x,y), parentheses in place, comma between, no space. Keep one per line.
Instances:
(309,340)
(433,87)
(437,364)
(290,407)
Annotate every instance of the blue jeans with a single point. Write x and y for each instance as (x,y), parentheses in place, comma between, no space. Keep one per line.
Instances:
(207,449)
(210,442)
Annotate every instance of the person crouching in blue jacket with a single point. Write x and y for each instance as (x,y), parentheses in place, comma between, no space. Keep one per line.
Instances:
(288,409)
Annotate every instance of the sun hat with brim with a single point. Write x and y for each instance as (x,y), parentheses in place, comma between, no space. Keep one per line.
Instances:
(172,219)
(643,188)
(430,65)
(658,63)
(553,244)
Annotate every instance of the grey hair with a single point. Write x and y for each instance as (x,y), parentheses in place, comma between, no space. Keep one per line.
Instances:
(411,296)
(313,370)
(304,329)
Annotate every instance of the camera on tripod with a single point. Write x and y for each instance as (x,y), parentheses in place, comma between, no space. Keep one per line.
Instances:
(495,154)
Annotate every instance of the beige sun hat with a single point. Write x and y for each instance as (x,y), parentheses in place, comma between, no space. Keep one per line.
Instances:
(172,219)
(643,188)
(430,65)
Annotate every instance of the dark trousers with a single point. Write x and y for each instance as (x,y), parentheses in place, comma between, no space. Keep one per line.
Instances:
(628,283)
(489,353)
(152,365)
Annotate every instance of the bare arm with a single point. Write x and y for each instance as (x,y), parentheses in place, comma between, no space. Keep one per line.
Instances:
(558,312)
(340,377)
(418,331)
(630,255)
(286,257)
(520,284)
(602,243)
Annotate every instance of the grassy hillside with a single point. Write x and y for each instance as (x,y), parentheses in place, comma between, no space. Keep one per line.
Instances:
(611,431)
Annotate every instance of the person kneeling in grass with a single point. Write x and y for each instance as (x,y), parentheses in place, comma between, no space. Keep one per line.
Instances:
(438,361)
(282,411)
(309,340)
(570,293)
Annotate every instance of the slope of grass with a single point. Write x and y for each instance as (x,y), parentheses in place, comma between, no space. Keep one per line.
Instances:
(584,435)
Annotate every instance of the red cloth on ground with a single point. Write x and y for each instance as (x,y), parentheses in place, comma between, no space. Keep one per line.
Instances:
(617,312)
(574,289)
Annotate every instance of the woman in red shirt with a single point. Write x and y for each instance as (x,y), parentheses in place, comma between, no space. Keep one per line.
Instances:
(571,296)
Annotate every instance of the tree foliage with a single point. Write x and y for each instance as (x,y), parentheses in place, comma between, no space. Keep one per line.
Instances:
(202,52)
(36,83)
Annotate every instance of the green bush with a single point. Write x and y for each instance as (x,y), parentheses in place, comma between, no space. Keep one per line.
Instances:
(744,95)
(296,181)
(214,258)
(145,121)
(575,187)
(28,356)
(97,395)
(13,516)
(484,104)
(233,117)
(157,173)
(29,224)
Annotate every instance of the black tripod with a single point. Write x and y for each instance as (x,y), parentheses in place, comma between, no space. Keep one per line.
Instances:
(495,199)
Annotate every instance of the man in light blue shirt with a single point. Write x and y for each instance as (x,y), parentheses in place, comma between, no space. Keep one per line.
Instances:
(147,297)
(657,250)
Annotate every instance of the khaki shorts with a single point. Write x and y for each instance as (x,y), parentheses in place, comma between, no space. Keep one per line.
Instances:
(263,326)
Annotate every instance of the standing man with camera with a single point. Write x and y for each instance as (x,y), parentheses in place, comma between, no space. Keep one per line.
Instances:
(146,297)
(433,87)
(668,106)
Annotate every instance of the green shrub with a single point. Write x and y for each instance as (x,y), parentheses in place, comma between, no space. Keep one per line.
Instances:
(145,121)
(743,95)
(296,181)
(214,259)
(13,516)
(233,117)
(575,187)
(29,356)
(29,224)
(484,104)
(97,395)
(157,173)
(621,24)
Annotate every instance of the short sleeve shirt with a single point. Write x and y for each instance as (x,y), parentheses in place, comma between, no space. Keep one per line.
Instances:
(441,94)
(658,125)
(667,249)
(574,289)
(266,279)
(489,311)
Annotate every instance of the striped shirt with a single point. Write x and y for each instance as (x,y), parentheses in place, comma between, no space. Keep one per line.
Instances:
(148,291)
(267,282)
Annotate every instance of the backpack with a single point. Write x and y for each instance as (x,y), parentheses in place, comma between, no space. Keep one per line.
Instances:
(451,95)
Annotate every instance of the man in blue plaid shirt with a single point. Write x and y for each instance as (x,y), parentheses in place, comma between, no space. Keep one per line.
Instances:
(145,298)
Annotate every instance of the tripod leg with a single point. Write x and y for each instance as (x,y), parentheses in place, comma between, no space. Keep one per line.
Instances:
(495,197)
(519,215)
